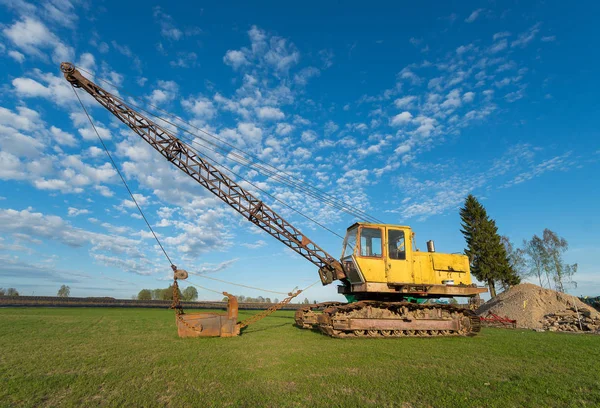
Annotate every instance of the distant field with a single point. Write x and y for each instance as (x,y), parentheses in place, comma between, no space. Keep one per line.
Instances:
(133,357)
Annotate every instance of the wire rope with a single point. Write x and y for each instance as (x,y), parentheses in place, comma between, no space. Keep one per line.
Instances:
(316,193)
(122,178)
(238,284)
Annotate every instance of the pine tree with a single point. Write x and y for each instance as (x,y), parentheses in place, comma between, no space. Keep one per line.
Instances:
(487,255)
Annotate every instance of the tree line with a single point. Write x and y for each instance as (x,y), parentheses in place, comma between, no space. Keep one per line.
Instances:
(189,294)
(9,292)
(64,291)
(495,260)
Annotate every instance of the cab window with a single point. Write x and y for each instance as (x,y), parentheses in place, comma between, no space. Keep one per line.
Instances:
(370,242)
(349,244)
(397,244)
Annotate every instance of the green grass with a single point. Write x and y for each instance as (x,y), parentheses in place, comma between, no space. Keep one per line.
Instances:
(133,357)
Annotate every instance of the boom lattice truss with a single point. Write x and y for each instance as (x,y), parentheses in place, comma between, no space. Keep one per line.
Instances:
(186,159)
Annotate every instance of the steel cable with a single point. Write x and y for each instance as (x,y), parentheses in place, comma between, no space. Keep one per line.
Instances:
(122,178)
(315,193)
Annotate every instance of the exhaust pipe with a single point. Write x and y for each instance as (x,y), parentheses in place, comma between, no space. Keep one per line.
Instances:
(430,246)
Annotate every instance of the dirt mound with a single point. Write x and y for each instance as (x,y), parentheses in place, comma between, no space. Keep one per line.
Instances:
(531,306)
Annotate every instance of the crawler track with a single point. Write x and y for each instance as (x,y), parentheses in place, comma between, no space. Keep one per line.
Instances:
(306,317)
(396,319)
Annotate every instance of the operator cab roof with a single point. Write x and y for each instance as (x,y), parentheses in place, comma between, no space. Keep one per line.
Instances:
(377,225)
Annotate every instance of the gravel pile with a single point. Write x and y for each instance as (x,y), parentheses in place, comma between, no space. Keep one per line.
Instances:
(534,307)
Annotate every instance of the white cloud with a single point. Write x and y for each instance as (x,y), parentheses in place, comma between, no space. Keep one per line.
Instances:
(258,244)
(354,178)
(452,101)
(499,46)
(235,58)
(426,125)
(30,87)
(252,134)
(401,119)
(184,60)
(474,15)
(85,129)
(62,137)
(309,136)
(284,129)
(404,102)
(74,212)
(403,148)
(33,38)
(201,107)
(327,58)
(16,55)
(526,37)
(168,28)
(407,74)
(25,119)
(500,35)
(165,92)
(269,113)
(305,75)
(266,51)
(302,153)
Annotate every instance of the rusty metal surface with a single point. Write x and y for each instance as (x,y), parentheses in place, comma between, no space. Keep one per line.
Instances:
(209,176)
(206,325)
(210,324)
(397,319)
(395,324)
(306,317)
(493,320)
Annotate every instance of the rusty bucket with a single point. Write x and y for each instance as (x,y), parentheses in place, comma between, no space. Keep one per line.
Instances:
(210,324)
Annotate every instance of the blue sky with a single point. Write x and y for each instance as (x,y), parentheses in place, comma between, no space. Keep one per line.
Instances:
(399,109)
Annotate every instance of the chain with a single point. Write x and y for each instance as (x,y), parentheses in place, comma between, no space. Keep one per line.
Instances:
(186,324)
(265,313)
(176,305)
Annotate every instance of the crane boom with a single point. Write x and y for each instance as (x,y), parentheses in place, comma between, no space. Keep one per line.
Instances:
(210,177)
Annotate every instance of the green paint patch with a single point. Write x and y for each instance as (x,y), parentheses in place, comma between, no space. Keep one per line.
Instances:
(133,357)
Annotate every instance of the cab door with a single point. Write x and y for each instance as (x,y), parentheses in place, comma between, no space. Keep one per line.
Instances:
(399,265)
(371,259)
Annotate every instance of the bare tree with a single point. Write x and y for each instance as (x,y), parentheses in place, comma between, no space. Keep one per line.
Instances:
(561,273)
(536,253)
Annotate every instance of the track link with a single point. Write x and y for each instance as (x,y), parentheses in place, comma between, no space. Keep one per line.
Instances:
(373,319)
(306,317)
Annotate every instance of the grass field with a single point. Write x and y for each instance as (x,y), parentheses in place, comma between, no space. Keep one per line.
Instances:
(133,357)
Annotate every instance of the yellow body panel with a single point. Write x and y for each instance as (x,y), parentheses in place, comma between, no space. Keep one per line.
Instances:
(438,267)
(382,257)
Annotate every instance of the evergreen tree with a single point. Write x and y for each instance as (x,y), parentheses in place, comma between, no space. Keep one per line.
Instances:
(487,255)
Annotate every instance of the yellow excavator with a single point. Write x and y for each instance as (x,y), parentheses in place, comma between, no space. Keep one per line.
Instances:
(388,283)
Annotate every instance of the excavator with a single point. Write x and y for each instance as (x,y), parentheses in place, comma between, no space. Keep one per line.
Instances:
(390,285)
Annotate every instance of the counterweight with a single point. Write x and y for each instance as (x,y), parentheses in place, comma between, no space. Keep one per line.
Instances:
(210,177)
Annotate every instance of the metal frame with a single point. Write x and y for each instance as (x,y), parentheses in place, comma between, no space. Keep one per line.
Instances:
(210,177)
